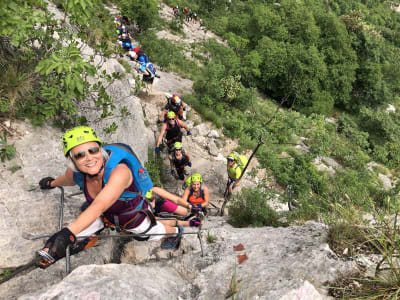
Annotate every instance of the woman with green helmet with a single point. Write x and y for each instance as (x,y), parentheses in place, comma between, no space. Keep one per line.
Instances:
(196,193)
(112,180)
(178,159)
(173,129)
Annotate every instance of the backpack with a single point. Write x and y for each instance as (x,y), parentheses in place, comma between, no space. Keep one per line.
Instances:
(142,54)
(123,153)
(150,69)
(241,161)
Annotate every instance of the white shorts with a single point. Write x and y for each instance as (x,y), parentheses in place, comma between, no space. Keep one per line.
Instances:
(156,229)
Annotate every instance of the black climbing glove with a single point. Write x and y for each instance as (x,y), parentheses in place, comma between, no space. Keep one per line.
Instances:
(44,183)
(57,245)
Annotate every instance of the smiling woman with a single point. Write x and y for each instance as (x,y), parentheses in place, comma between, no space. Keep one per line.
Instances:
(113,181)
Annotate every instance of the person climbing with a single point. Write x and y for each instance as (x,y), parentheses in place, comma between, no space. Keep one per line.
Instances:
(194,18)
(149,73)
(201,22)
(179,159)
(186,12)
(175,104)
(125,42)
(112,180)
(191,15)
(126,20)
(132,53)
(163,201)
(140,57)
(176,11)
(173,129)
(235,165)
(123,30)
(196,193)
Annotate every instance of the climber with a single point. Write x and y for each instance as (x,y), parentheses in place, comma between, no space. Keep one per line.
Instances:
(235,165)
(112,180)
(163,201)
(139,56)
(122,30)
(194,18)
(191,15)
(186,12)
(178,160)
(175,104)
(149,73)
(132,53)
(176,11)
(196,193)
(125,42)
(173,129)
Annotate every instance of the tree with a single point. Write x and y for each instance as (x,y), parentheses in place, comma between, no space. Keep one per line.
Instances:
(144,12)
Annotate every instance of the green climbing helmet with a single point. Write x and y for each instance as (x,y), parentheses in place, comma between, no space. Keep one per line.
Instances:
(232,156)
(171,114)
(177,145)
(77,136)
(196,178)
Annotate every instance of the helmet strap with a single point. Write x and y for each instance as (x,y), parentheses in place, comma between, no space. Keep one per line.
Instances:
(94,175)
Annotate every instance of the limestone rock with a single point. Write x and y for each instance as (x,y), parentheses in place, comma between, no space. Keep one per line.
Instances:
(304,292)
(137,252)
(200,140)
(114,281)
(213,134)
(387,183)
(391,108)
(201,130)
(212,148)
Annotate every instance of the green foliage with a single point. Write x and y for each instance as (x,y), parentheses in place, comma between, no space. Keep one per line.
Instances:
(7,152)
(250,207)
(125,64)
(153,166)
(44,78)
(211,239)
(144,13)
(166,54)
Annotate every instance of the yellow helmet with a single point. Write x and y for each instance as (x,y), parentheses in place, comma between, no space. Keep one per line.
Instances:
(77,136)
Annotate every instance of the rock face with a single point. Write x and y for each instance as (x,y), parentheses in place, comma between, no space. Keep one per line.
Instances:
(116,282)
(262,263)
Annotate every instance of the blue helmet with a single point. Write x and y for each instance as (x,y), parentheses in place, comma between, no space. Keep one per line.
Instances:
(126,45)
(142,59)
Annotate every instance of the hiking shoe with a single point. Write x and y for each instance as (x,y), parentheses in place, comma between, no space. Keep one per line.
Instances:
(194,222)
(173,242)
(186,172)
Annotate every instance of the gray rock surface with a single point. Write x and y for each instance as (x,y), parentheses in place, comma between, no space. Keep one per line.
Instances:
(212,148)
(201,130)
(264,263)
(386,182)
(114,281)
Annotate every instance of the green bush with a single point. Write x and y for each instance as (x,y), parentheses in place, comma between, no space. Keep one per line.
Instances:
(153,166)
(250,208)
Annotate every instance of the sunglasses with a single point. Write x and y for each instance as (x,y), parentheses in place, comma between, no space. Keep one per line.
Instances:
(80,155)
(171,119)
(180,149)
(231,160)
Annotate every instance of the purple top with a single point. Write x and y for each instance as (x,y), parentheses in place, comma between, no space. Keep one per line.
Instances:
(120,207)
